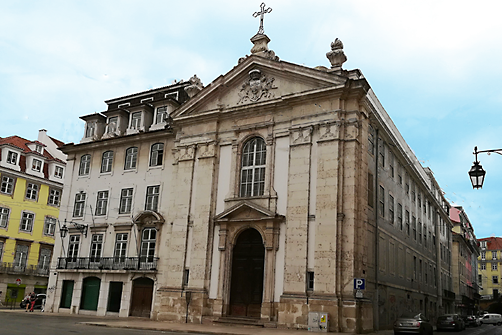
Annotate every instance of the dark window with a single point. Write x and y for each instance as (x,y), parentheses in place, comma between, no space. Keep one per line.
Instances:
(107,161)
(131,158)
(310,281)
(156,154)
(85,165)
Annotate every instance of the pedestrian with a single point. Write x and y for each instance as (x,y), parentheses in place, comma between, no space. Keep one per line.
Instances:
(33,298)
(27,302)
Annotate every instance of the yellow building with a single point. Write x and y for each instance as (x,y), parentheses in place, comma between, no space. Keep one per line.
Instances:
(489,276)
(31,183)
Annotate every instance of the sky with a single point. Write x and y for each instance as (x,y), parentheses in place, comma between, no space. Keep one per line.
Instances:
(434,65)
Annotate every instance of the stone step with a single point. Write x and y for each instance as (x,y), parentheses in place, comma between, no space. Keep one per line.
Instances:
(240,321)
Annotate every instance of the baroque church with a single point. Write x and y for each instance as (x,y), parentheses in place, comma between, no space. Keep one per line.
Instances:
(262,195)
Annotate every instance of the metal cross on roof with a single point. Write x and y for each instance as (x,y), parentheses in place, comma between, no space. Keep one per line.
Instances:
(261,13)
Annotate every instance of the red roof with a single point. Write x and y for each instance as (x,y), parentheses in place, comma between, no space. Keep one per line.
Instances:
(492,243)
(58,142)
(21,143)
(455,214)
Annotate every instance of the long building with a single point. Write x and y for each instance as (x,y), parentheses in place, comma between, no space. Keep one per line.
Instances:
(263,195)
(490,270)
(32,174)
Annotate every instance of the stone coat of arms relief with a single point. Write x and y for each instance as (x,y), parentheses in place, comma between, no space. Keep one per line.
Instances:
(258,86)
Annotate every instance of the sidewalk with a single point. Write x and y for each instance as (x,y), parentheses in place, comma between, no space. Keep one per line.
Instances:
(147,324)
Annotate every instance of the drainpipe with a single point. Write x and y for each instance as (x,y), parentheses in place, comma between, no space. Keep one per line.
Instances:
(375,302)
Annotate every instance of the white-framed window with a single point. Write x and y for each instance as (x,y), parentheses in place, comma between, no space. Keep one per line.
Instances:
(96,247)
(107,161)
(161,115)
(131,158)
(101,202)
(254,154)
(120,251)
(152,198)
(495,279)
(73,245)
(54,197)
(483,255)
(44,259)
(125,200)
(38,148)
(494,254)
(136,120)
(90,129)
(1,249)
(483,266)
(36,165)
(31,191)
(156,154)
(483,244)
(58,172)
(85,165)
(494,266)
(112,124)
(12,157)
(148,242)
(49,226)
(7,186)
(78,208)
(4,217)
(27,220)
(21,256)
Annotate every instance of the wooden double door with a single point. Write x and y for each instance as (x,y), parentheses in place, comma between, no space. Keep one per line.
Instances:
(246,288)
(142,294)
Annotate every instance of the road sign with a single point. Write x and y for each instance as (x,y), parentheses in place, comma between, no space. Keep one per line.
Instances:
(359,283)
(18,281)
(359,294)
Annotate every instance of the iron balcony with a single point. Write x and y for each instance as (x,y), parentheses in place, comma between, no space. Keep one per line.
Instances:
(142,263)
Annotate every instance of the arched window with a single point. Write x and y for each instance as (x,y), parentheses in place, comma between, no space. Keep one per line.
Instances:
(253,168)
(85,165)
(107,161)
(130,158)
(156,154)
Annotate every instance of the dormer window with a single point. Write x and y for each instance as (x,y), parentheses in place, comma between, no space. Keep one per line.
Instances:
(112,124)
(161,115)
(58,172)
(38,148)
(136,120)
(12,157)
(90,129)
(37,165)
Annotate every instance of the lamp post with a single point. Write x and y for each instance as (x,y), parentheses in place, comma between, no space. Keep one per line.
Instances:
(477,173)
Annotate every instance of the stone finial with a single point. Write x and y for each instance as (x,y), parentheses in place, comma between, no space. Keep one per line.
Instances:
(195,86)
(336,56)
(260,47)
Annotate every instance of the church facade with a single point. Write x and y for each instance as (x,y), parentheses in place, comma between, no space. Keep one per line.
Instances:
(261,195)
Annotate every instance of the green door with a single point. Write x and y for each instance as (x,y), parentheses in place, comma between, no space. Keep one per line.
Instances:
(90,294)
(114,296)
(66,294)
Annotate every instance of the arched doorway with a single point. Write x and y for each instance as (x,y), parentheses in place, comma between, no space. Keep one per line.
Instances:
(142,293)
(90,293)
(246,288)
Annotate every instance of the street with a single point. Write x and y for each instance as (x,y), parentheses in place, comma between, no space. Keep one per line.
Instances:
(482,330)
(49,324)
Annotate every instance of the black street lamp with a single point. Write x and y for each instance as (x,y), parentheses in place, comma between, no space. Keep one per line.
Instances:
(476,173)
(63,230)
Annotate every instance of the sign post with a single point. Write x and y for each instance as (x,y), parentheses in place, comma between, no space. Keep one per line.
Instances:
(18,281)
(359,286)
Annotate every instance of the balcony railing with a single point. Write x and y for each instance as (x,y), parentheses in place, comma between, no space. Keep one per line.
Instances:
(143,263)
(33,270)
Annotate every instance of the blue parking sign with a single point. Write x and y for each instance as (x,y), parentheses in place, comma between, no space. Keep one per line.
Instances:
(359,283)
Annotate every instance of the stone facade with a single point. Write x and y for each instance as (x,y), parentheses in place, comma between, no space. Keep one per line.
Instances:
(269,178)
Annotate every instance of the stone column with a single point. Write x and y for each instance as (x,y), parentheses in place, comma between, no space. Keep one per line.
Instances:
(296,226)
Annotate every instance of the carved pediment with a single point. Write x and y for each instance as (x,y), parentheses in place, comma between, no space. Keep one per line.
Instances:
(148,218)
(247,211)
(257,80)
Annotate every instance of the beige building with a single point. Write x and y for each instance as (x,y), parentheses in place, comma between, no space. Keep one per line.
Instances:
(262,195)
(465,252)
